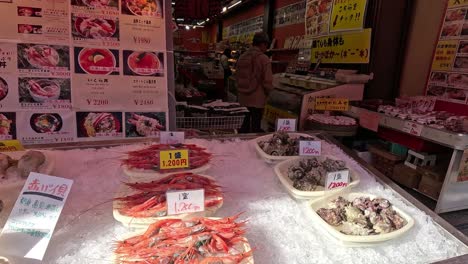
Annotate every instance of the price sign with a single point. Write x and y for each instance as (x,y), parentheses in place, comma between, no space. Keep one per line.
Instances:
(186,201)
(172,137)
(332,104)
(369,120)
(32,221)
(287,125)
(10,146)
(173,159)
(337,179)
(310,148)
(414,129)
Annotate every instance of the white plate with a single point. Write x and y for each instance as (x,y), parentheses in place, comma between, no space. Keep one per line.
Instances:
(244,247)
(140,223)
(351,240)
(281,170)
(274,159)
(138,175)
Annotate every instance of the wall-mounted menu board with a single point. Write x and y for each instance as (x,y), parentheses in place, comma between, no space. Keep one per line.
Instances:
(82,70)
(448,79)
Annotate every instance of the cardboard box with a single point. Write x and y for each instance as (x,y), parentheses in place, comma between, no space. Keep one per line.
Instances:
(430,186)
(406,176)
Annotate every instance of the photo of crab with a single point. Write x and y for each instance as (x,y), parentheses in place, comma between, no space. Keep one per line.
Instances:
(46,57)
(7,125)
(99,124)
(43,90)
(96,61)
(143,63)
(144,124)
(151,8)
(95,28)
(43,123)
(96,3)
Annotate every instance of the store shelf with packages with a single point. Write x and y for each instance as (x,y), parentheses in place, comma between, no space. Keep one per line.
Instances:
(260,198)
(454,191)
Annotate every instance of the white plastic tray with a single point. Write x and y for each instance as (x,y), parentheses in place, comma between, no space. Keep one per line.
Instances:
(244,247)
(281,170)
(351,240)
(140,223)
(274,159)
(138,175)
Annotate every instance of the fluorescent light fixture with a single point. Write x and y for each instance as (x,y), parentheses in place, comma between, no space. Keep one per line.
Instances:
(173,3)
(207,19)
(180,19)
(187,27)
(224,9)
(233,5)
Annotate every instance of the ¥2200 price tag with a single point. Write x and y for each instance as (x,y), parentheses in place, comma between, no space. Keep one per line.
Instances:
(310,148)
(173,159)
(287,125)
(337,179)
(186,201)
(172,137)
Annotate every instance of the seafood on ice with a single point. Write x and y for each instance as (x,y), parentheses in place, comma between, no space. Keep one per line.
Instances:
(148,158)
(42,56)
(198,240)
(148,199)
(31,161)
(145,126)
(5,125)
(310,173)
(362,216)
(43,90)
(281,144)
(100,123)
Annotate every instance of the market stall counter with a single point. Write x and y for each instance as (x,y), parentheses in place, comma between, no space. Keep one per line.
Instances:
(279,228)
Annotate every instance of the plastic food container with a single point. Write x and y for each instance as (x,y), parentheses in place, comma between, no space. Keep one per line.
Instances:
(274,159)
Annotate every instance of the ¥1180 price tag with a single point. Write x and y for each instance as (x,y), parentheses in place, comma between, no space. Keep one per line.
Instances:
(310,148)
(337,179)
(171,138)
(186,201)
(173,159)
(286,125)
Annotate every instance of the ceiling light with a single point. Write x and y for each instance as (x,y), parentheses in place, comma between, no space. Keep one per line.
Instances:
(180,19)
(207,19)
(233,5)
(224,9)
(187,27)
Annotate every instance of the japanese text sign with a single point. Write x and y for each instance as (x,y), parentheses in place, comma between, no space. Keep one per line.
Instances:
(10,146)
(444,55)
(186,201)
(172,137)
(310,148)
(347,15)
(332,104)
(173,159)
(32,221)
(342,48)
(369,120)
(456,3)
(337,179)
(287,125)
(413,128)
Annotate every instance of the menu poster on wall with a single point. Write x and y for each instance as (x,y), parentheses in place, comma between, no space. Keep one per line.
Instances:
(144,124)
(347,15)
(45,127)
(7,125)
(448,79)
(290,14)
(42,21)
(317,17)
(44,93)
(99,125)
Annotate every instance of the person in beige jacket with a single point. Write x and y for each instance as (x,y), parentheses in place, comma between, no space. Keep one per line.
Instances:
(254,82)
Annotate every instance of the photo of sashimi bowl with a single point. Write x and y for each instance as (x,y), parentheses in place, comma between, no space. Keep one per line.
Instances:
(100,3)
(3,88)
(143,7)
(144,63)
(46,123)
(43,90)
(95,123)
(144,124)
(42,56)
(5,125)
(95,28)
(97,61)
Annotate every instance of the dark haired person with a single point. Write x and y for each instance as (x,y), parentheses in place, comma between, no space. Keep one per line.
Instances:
(224,60)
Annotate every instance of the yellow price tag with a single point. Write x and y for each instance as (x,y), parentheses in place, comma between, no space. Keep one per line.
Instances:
(332,104)
(347,15)
(173,159)
(10,146)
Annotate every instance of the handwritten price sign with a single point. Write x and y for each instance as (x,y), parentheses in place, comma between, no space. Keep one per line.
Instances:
(337,179)
(413,128)
(287,125)
(173,159)
(186,201)
(310,148)
(172,137)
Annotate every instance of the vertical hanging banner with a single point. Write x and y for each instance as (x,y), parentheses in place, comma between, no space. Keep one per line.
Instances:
(347,15)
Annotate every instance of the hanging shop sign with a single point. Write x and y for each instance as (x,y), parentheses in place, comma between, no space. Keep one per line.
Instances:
(186,201)
(82,70)
(32,221)
(448,79)
(342,48)
(332,104)
(347,15)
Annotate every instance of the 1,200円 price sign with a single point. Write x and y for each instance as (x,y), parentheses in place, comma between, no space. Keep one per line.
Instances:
(174,159)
